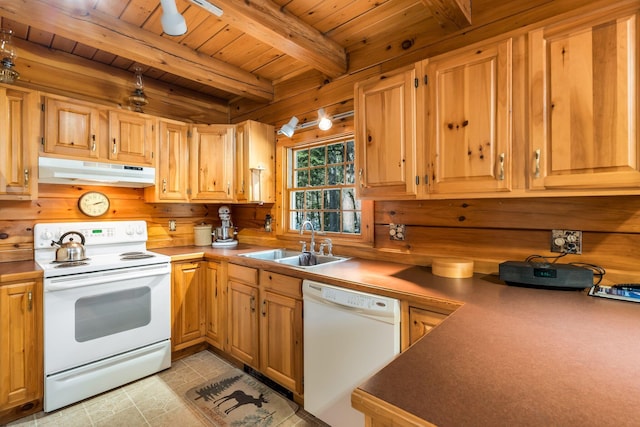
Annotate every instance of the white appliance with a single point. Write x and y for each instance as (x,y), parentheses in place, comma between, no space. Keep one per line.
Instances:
(52,170)
(107,318)
(348,336)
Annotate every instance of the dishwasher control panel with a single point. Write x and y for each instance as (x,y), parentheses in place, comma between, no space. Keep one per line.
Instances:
(352,299)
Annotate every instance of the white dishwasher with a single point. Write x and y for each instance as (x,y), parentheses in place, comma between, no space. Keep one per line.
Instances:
(348,337)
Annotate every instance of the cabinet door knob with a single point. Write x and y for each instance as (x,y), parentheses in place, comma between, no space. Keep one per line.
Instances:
(29,300)
(164,185)
(264,308)
(252,304)
(26,177)
(93,142)
(115,147)
(360,176)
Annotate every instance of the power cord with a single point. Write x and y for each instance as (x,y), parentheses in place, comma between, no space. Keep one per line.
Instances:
(598,271)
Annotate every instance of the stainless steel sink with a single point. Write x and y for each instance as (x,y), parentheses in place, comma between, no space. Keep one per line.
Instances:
(271,254)
(292,258)
(320,260)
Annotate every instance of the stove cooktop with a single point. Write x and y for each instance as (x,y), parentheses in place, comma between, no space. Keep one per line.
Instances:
(101,262)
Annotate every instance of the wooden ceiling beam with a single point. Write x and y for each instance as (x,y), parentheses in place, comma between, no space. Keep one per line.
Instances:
(451,12)
(265,21)
(98,30)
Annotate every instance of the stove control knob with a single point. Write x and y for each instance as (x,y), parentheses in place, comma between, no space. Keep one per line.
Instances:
(129,231)
(47,235)
(139,230)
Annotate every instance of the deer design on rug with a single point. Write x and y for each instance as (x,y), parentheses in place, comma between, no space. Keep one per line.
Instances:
(242,399)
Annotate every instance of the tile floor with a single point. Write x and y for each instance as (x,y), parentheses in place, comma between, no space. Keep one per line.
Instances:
(155,401)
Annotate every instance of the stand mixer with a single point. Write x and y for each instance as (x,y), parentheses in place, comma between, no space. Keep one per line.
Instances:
(225,234)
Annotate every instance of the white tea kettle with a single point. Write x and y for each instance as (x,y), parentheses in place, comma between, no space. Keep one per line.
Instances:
(69,251)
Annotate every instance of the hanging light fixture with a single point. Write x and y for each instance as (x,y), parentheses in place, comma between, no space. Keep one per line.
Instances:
(324,121)
(138,99)
(8,54)
(173,22)
(289,128)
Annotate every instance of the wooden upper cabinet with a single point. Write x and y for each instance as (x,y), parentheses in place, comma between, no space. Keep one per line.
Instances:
(71,128)
(584,103)
(255,162)
(467,113)
(386,136)
(131,137)
(172,173)
(212,163)
(19,136)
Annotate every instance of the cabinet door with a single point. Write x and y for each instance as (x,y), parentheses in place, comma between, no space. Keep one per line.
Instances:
(281,339)
(386,136)
(215,307)
(19,130)
(188,305)
(71,128)
(242,335)
(173,164)
(421,322)
(212,163)
(583,91)
(21,370)
(255,162)
(131,138)
(469,119)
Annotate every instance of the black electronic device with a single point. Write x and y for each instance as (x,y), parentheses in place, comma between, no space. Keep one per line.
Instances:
(546,275)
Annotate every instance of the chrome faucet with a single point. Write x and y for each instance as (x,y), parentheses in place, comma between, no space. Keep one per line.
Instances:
(312,249)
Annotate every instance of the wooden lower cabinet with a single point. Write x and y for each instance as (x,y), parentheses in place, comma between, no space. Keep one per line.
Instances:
(21,349)
(418,320)
(265,323)
(197,304)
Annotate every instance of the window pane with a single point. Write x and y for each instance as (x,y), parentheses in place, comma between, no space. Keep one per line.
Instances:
(351,222)
(302,159)
(297,200)
(335,175)
(351,151)
(314,199)
(332,199)
(349,201)
(317,177)
(351,175)
(302,178)
(296,220)
(314,217)
(318,156)
(335,153)
(332,221)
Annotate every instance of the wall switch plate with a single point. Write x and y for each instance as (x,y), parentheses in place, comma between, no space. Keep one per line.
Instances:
(172,225)
(396,231)
(566,241)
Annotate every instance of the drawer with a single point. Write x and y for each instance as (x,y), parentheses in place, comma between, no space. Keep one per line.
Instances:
(281,283)
(242,273)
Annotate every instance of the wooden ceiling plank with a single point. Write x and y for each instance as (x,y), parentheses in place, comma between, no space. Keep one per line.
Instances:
(450,12)
(265,21)
(107,33)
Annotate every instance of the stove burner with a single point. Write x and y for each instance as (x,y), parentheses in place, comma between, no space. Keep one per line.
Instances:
(135,255)
(65,264)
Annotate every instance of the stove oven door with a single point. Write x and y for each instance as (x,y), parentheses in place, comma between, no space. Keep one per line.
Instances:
(93,316)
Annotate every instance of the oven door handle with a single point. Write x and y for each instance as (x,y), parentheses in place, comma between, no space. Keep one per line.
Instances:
(97,278)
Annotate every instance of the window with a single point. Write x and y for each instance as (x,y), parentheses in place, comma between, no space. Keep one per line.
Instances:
(321,187)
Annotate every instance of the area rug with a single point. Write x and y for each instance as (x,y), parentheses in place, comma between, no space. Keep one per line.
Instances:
(237,399)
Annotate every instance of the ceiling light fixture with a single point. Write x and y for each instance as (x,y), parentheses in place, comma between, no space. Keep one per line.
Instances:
(289,128)
(8,54)
(324,121)
(173,22)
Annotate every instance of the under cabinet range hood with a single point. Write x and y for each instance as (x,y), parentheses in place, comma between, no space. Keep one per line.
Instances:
(65,171)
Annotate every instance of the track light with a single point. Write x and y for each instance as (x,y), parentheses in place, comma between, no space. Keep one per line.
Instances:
(324,122)
(289,128)
(173,22)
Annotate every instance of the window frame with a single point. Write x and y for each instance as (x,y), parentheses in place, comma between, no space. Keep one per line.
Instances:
(283,230)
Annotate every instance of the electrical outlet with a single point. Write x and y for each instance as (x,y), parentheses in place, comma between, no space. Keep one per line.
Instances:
(396,231)
(172,225)
(566,241)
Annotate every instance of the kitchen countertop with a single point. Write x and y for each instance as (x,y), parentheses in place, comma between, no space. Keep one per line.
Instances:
(19,270)
(508,356)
